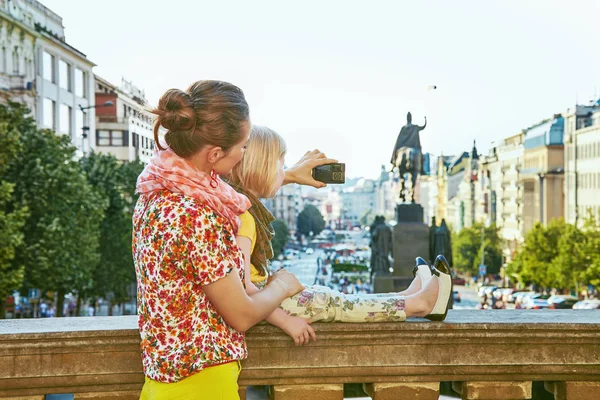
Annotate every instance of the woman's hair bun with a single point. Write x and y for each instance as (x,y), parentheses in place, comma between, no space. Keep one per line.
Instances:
(175,112)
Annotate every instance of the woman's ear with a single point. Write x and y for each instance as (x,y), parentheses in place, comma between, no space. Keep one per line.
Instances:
(215,154)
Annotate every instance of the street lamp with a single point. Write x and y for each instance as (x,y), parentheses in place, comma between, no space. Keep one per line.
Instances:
(85,129)
(106,104)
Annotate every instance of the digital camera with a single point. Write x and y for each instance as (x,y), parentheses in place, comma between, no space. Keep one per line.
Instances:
(330,173)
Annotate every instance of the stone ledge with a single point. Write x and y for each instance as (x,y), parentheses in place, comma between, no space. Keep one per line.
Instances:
(101,354)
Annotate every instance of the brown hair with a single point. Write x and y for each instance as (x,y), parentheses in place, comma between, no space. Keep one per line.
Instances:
(258,170)
(207,113)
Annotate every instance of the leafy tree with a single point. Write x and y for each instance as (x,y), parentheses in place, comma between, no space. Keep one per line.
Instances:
(115,271)
(281,238)
(592,250)
(12,217)
(61,233)
(310,221)
(466,249)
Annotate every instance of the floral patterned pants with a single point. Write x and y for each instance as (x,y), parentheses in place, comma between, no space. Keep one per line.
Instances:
(320,303)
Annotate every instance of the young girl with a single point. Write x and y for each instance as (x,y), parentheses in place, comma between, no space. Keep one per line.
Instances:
(260,174)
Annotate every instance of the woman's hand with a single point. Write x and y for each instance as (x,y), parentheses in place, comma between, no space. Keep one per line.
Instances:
(301,172)
(288,281)
(300,330)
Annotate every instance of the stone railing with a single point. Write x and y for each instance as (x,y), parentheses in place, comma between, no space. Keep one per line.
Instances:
(485,354)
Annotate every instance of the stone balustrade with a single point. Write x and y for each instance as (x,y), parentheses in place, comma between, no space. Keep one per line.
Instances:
(485,354)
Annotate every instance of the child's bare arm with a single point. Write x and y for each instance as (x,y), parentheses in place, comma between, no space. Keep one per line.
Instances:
(297,328)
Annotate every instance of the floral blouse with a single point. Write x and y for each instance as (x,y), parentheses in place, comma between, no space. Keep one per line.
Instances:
(180,245)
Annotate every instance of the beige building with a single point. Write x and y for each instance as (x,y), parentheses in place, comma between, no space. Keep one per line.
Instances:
(582,162)
(40,69)
(498,192)
(542,174)
(123,129)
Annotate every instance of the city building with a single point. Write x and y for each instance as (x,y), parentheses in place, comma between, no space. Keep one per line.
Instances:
(331,209)
(542,174)
(286,205)
(358,204)
(463,175)
(387,190)
(124,126)
(450,174)
(582,162)
(40,69)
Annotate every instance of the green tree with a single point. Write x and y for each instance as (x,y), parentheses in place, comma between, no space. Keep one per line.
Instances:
(592,250)
(115,271)
(310,221)
(12,217)
(466,249)
(61,233)
(281,238)
(534,263)
(11,237)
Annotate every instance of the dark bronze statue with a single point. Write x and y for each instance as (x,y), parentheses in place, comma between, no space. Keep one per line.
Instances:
(432,229)
(408,157)
(442,243)
(381,247)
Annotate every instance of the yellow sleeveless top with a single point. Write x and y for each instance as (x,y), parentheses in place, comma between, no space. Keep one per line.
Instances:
(248,229)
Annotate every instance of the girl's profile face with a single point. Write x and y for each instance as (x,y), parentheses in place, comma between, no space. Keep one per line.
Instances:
(280,174)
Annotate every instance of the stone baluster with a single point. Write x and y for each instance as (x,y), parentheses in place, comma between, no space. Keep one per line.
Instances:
(492,390)
(574,390)
(403,390)
(312,392)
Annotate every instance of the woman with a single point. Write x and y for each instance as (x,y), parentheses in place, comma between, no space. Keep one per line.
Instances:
(193,308)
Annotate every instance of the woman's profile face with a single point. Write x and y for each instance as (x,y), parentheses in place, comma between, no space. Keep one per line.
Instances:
(235,154)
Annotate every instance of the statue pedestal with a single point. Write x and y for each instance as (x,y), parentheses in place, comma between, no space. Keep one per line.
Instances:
(411,240)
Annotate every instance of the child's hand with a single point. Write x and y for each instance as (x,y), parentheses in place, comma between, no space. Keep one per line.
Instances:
(300,330)
(301,172)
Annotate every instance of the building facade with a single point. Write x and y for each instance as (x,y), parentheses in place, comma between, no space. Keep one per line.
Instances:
(582,162)
(542,174)
(286,205)
(43,71)
(359,204)
(123,128)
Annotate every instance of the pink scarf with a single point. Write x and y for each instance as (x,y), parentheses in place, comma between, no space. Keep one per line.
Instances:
(167,170)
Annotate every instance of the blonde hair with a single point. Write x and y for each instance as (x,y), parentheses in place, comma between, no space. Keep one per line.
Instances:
(258,170)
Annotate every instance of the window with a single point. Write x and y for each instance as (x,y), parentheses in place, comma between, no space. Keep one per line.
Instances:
(15,60)
(103,138)
(79,88)
(48,109)
(65,119)
(64,75)
(3,61)
(111,138)
(48,67)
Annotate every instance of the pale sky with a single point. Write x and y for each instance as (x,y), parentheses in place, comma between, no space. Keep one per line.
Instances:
(340,76)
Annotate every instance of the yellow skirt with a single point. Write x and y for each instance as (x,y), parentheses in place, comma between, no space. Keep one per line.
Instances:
(213,383)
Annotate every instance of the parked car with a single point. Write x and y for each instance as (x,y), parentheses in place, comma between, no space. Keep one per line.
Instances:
(516,294)
(517,298)
(457,280)
(309,251)
(535,302)
(505,293)
(562,302)
(591,304)
(486,290)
